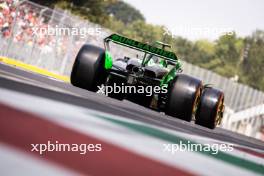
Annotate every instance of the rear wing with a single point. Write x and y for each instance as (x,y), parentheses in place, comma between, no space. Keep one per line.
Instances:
(118,39)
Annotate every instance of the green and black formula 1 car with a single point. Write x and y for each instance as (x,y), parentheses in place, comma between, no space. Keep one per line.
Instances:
(146,65)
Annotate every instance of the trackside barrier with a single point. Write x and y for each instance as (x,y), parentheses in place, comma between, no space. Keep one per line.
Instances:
(56,53)
(34,69)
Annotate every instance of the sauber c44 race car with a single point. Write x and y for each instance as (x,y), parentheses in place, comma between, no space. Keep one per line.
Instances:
(147,65)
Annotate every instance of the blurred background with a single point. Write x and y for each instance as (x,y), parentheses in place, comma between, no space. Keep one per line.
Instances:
(220,42)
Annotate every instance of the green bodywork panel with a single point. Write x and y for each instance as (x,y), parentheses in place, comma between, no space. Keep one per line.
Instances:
(171,74)
(108,60)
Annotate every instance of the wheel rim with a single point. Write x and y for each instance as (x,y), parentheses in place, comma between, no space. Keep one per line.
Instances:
(197,100)
(220,111)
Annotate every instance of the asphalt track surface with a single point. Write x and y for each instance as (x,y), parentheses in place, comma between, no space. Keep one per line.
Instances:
(31,83)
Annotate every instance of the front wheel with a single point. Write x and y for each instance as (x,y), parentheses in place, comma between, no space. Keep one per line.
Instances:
(210,109)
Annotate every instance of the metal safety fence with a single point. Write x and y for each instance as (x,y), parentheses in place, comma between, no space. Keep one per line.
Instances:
(45,37)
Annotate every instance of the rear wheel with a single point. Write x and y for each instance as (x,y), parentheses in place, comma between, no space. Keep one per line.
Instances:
(183,97)
(88,70)
(210,109)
